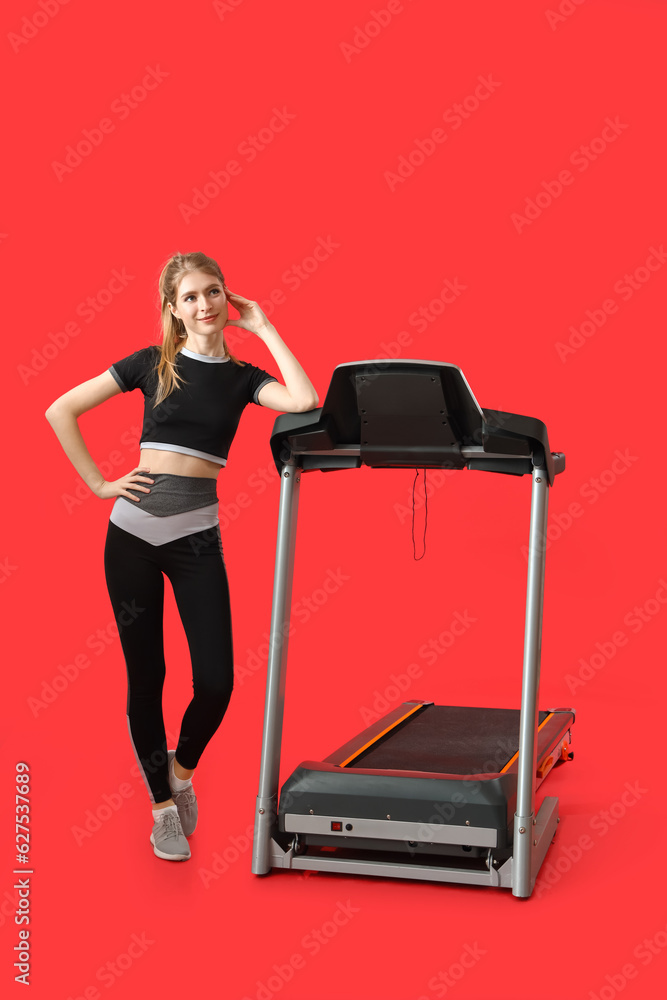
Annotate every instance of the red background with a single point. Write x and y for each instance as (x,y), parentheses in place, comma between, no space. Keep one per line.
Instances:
(557,78)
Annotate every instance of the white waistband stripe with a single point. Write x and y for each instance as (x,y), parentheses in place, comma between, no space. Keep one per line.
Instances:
(158,530)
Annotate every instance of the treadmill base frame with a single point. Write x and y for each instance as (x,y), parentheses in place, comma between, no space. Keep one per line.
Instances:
(537,836)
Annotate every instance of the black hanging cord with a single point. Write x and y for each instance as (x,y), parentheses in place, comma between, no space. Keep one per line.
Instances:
(417,558)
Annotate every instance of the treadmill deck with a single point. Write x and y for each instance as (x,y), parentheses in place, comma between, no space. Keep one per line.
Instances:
(438,773)
(450,740)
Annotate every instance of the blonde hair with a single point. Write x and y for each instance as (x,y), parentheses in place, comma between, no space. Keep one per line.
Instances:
(173,328)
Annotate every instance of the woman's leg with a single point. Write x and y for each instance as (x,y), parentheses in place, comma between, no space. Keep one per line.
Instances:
(196,568)
(136,589)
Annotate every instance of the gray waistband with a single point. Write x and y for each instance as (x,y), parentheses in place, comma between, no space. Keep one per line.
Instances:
(158,530)
(171,494)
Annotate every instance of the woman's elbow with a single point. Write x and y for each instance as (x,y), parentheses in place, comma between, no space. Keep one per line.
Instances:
(310,404)
(53,411)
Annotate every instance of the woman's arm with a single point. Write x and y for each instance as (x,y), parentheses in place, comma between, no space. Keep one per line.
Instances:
(62,414)
(298,393)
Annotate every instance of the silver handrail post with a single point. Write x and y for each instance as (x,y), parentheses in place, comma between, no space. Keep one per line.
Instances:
(267,798)
(528,724)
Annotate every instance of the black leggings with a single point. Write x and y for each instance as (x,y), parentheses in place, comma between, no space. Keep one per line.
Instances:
(195,566)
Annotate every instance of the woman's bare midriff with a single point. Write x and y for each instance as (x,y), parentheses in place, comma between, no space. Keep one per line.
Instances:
(178,464)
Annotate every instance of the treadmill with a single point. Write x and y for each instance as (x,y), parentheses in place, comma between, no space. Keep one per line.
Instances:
(435,792)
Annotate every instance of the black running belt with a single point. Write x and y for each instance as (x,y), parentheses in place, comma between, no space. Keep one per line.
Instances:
(449,740)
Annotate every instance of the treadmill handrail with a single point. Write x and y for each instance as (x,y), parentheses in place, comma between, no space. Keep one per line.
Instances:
(496,441)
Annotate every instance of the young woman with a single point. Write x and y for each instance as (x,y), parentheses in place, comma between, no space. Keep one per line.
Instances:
(164,520)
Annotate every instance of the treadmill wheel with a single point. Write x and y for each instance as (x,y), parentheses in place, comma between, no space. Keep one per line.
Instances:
(298,847)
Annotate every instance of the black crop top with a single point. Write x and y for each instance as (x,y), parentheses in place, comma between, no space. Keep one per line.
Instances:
(200,417)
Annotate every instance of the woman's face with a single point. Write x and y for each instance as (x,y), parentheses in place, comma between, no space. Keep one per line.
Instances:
(200,296)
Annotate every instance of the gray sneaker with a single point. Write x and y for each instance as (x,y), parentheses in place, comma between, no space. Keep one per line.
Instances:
(186,802)
(167,838)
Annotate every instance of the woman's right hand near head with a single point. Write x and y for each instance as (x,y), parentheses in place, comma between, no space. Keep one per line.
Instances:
(120,487)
